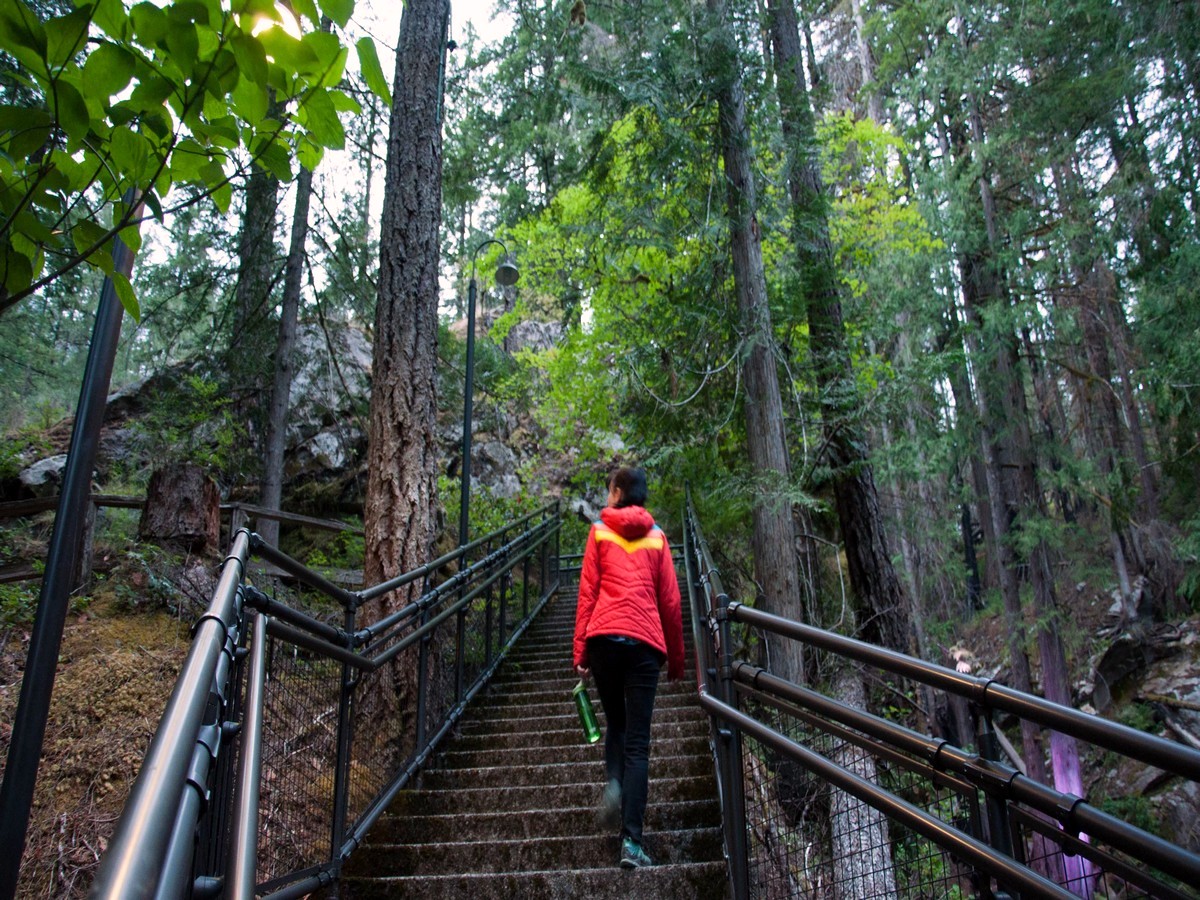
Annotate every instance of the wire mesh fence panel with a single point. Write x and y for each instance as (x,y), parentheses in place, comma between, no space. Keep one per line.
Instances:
(1086,866)
(300,725)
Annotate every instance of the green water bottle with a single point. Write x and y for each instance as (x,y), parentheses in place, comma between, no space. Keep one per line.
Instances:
(587,715)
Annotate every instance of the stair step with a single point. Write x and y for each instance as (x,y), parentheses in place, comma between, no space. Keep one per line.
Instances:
(555,820)
(564,728)
(515,798)
(692,881)
(577,851)
(564,732)
(669,706)
(552,773)
(575,751)
(527,689)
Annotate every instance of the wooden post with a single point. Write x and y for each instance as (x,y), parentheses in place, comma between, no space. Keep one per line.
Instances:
(87,548)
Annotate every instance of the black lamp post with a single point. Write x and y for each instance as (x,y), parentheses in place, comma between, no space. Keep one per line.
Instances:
(506,275)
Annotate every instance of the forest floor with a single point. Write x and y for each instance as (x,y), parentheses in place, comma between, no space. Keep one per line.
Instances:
(116,669)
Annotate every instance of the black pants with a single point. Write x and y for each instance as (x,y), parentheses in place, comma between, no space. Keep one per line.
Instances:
(627,678)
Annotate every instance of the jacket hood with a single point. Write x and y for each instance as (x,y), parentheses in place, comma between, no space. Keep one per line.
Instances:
(630,522)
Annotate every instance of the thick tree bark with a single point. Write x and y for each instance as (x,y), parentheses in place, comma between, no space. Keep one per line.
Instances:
(883,608)
(183,508)
(774,538)
(402,453)
(402,450)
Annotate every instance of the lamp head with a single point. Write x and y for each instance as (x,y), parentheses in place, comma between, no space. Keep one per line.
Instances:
(506,272)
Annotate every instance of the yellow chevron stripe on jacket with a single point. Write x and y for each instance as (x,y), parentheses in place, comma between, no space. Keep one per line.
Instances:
(652,541)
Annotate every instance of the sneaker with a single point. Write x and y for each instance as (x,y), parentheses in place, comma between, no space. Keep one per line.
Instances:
(608,813)
(633,856)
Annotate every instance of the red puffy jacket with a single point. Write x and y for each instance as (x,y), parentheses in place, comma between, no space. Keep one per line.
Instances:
(627,586)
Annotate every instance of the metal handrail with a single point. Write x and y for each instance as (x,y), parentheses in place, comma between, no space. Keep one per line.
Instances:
(1072,813)
(988,694)
(141,843)
(151,853)
(1014,800)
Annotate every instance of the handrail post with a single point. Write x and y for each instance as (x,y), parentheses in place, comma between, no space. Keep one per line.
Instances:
(708,604)
(999,823)
(345,735)
(245,845)
(423,676)
(487,615)
(734,771)
(525,585)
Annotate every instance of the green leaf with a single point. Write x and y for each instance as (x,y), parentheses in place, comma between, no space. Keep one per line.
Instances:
(76,175)
(150,198)
(130,152)
(275,159)
(308,9)
(251,101)
(16,269)
(107,71)
(344,102)
(66,36)
(89,239)
(309,154)
(27,225)
(31,250)
(222,197)
(318,115)
(127,296)
(183,43)
(150,94)
(70,111)
(131,237)
(188,161)
(324,46)
(23,131)
(111,16)
(251,58)
(22,35)
(338,10)
(149,24)
(286,51)
(372,71)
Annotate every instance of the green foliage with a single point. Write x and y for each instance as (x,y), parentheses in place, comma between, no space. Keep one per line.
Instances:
(18,603)
(192,423)
(1136,809)
(489,512)
(122,104)
(21,448)
(325,550)
(1139,716)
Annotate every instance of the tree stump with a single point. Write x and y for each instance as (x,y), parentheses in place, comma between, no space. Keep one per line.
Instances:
(183,508)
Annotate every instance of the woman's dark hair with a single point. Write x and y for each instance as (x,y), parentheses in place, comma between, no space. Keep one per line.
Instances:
(632,485)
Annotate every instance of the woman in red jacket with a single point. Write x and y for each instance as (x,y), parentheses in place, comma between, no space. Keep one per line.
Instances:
(627,624)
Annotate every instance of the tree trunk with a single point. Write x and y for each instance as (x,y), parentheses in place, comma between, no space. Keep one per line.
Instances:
(883,608)
(861,848)
(285,364)
(774,539)
(1009,460)
(250,339)
(866,64)
(402,453)
(183,508)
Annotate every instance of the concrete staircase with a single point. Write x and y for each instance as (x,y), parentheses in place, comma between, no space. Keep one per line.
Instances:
(507,809)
